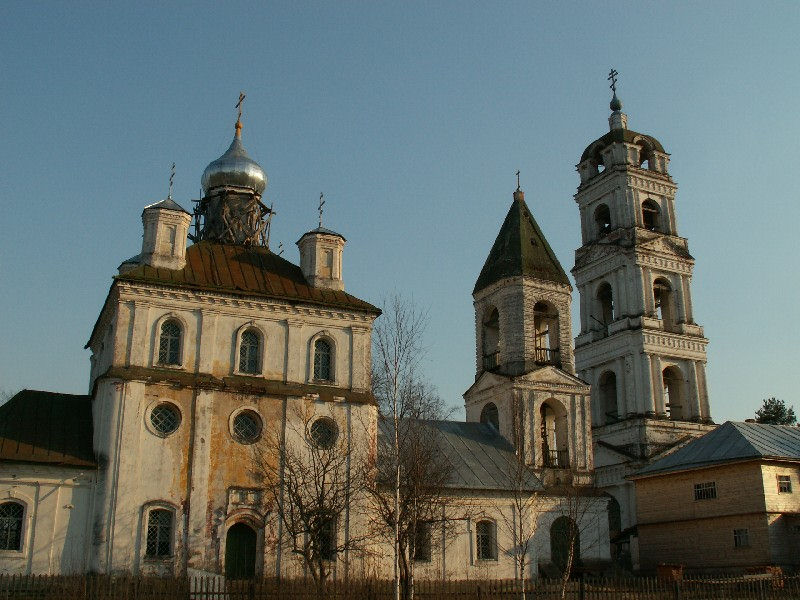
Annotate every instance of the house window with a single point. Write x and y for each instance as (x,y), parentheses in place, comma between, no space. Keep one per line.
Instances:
(705,491)
(486,540)
(11,525)
(422,542)
(322,360)
(159,533)
(169,344)
(324,433)
(740,538)
(247,427)
(165,419)
(784,484)
(250,352)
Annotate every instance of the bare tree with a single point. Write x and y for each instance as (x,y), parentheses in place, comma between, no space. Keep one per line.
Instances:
(312,478)
(409,491)
(526,503)
(572,532)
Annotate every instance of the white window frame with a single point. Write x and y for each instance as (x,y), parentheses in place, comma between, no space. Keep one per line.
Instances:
(787,479)
(149,411)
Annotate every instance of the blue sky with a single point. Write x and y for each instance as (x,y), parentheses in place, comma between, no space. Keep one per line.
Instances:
(412,119)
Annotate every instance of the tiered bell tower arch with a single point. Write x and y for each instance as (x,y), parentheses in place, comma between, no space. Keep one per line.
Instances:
(639,345)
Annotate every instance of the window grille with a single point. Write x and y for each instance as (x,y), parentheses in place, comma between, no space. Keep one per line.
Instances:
(422,542)
(740,538)
(159,533)
(169,344)
(165,418)
(249,352)
(247,427)
(11,526)
(324,433)
(705,491)
(322,360)
(784,484)
(486,538)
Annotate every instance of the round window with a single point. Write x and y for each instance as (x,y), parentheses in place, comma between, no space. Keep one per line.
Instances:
(165,418)
(247,427)
(324,433)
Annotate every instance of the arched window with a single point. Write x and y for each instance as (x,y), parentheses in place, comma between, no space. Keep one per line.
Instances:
(674,397)
(646,156)
(605,301)
(422,542)
(490,415)
(608,397)
(11,514)
(159,533)
(602,220)
(491,339)
(322,360)
(555,447)
(663,299)
(250,352)
(563,534)
(323,536)
(486,540)
(169,343)
(545,325)
(650,215)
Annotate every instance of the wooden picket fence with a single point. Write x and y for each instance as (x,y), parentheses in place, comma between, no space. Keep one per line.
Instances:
(93,587)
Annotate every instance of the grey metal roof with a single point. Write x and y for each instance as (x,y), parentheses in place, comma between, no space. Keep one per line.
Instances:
(167,204)
(481,458)
(729,442)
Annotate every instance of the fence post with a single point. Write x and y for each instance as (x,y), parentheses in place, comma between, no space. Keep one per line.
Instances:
(581,588)
(677,590)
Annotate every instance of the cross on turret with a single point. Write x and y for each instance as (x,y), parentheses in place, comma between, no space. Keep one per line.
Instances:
(319,208)
(612,77)
(242,96)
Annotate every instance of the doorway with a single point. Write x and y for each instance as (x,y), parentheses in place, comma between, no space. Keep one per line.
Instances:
(240,552)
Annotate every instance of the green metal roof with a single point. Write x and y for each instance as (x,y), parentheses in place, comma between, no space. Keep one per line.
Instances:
(520,249)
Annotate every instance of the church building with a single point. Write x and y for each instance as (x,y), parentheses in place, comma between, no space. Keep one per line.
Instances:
(204,354)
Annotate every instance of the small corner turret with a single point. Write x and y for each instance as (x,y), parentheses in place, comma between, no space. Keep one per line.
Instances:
(321,255)
(166,226)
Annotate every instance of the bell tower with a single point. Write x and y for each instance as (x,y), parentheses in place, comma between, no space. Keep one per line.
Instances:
(639,345)
(525,384)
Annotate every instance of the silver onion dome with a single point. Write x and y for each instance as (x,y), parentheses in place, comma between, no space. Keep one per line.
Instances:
(235,168)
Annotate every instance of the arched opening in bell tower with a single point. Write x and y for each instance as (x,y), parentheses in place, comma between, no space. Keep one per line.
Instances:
(608,397)
(546,333)
(555,448)
(491,338)
(674,394)
(605,304)
(664,304)
(650,215)
(602,220)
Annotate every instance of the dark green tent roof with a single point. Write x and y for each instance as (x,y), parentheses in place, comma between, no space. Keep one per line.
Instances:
(520,249)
